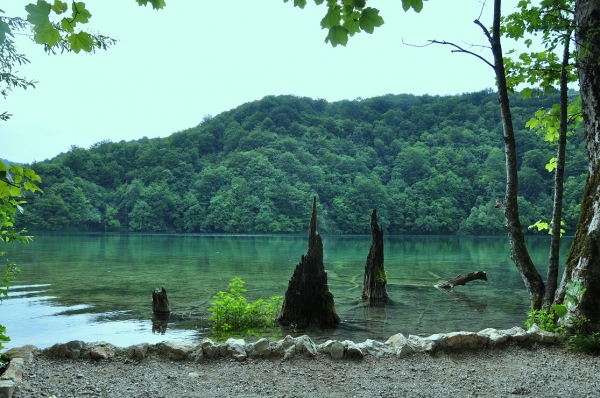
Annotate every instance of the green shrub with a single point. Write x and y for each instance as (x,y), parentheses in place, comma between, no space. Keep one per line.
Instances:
(579,338)
(230,312)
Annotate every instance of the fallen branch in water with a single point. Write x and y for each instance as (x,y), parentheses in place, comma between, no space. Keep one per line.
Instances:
(462,279)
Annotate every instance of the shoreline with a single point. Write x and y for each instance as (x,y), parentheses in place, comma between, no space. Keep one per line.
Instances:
(402,366)
(504,370)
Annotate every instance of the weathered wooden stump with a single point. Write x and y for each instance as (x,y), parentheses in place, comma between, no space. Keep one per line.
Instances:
(160,302)
(308,299)
(375,276)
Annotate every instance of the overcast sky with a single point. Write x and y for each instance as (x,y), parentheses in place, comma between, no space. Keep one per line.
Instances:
(199,57)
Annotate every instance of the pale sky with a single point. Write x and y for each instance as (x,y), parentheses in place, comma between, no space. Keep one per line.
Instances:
(199,57)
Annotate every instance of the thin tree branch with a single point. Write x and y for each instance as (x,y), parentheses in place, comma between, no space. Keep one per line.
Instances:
(485,30)
(462,50)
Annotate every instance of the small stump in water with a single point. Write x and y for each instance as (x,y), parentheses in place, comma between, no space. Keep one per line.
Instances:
(375,277)
(307,298)
(160,302)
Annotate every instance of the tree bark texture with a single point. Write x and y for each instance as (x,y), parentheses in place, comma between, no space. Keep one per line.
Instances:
(518,250)
(160,302)
(375,277)
(583,261)
(463,280)
(308,299)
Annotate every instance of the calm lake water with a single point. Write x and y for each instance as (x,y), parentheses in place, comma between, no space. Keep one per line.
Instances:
(97,287)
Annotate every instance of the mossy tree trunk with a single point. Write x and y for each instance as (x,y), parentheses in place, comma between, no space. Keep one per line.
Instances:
(583,262)
(308,299)
(375,276)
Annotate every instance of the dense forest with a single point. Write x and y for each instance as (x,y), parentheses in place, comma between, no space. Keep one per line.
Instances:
(429,164)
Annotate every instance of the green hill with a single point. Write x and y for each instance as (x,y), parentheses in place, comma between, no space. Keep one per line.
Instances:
(429,164)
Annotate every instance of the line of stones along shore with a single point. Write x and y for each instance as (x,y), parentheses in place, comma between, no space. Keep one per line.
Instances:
(238,349)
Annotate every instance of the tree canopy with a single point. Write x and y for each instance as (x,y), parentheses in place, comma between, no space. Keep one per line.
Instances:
(428,164)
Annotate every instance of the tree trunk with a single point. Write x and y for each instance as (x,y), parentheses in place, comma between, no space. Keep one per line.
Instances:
(518,251)
(552,275)
(583,262)
(308,299)
(375,277)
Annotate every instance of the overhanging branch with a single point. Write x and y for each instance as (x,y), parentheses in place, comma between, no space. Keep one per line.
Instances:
(459,49)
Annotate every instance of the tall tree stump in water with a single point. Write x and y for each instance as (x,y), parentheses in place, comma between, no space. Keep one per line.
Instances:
(308,299)
(375,277)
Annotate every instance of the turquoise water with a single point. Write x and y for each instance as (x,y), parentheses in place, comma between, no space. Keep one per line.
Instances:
(97,287)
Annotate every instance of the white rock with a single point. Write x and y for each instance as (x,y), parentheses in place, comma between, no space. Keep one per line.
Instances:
(465,340)
(175,350)
(515,334)
(7,388)
(237,349)
(375,348)
(420,344)
(304,345)
(542,336)
(285,348)
(494,336)
(400,345)
(210,348)
(438,339)
(262,348)
(353,350)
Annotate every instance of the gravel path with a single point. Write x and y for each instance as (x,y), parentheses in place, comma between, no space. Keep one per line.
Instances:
(535,371)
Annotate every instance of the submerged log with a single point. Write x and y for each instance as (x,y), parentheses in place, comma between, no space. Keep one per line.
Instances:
(375,277)
(307,299)
(160,302)
(462,279)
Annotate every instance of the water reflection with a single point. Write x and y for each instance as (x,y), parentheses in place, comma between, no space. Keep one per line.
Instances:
(466,300)
(375,318)
(160,322)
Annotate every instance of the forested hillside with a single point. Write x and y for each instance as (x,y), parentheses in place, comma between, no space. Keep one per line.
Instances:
(429,164)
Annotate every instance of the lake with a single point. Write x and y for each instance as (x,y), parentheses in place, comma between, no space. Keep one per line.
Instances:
(97,287)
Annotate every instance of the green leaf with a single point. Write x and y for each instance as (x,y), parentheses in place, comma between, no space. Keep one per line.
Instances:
(38,13)
(67,25)
(15,191)
(156,4)
(337,35)
(81,41)
(527,92)
(46,34)
(551,166)
(4,30)
(80,14)
(416,5)
(560,310)
(331,19)
(300,3)
(370,19)
(59,7)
